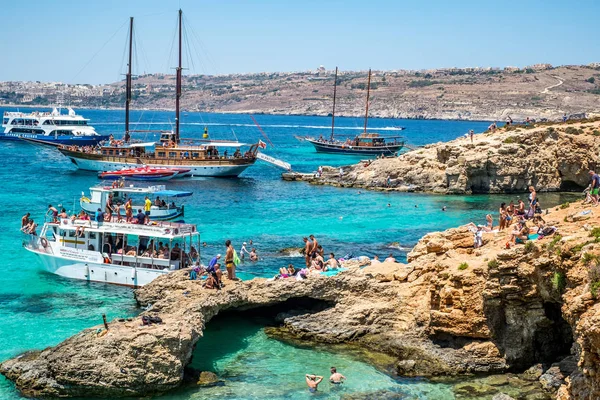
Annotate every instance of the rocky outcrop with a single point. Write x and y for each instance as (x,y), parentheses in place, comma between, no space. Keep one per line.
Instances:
(451,310)
(549,157)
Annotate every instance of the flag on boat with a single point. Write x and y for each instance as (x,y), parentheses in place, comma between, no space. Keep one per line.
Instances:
(262,144)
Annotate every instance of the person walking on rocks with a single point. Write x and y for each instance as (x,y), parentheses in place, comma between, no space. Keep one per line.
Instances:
(229,264)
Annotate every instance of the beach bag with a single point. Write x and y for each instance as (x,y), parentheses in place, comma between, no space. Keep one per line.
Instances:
(538,210)
(236,259)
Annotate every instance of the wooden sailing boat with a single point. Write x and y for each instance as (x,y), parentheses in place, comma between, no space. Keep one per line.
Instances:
(203,159)
(365,143)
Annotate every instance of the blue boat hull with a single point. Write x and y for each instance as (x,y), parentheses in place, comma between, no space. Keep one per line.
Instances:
(66,140)
(324,147)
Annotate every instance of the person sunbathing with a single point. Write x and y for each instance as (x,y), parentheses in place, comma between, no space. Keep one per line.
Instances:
(520,234)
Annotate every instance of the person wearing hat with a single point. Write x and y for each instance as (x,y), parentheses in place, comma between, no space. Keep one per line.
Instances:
(215,271)
(213,262)
(243,250)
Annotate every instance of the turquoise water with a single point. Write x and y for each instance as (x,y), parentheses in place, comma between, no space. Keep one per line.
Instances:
(253,366)
(39,309)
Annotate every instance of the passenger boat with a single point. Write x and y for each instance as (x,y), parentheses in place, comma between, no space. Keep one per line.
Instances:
(121,192)
(364,144)
(111,252)
(141,174)
(52,127)
(204,158)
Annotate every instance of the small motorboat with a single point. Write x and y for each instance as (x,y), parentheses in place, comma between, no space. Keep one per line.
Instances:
(141,174)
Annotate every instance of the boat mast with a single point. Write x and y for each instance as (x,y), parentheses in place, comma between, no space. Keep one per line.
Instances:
(178,89)
(128,80)
(334,93)
(367,108)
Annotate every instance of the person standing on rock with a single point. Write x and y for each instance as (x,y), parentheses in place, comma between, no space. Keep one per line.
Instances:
(229,264)
(595,187)
(315,246)
(313,382)
(307,250)
(341,173)
(471,134)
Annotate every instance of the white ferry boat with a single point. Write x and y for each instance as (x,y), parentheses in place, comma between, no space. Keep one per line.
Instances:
(111,252)
(51,127)
(163,209)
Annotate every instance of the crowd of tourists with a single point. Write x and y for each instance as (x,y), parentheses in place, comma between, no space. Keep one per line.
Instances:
(524,220)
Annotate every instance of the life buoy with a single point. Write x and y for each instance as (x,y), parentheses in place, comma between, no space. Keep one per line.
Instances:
(44,242)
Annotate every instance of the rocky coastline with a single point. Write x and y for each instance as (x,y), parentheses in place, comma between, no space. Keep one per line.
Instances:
(551,157)
(452,310)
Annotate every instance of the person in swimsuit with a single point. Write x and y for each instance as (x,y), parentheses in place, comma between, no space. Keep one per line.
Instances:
(25,220)
(315,245)
(532,198)
(54,212)
(229,261)
(128,210)
(336,378)
(313,382)
(307,248)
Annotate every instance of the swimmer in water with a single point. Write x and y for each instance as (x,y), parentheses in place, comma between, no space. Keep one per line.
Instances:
(444,208)
(313,382)
(336,378)
(389,205)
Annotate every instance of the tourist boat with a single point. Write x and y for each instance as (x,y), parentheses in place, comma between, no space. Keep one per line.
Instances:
(205,158)
(111,252)
(51,127)
(141,174)
(363,144)
(121,192)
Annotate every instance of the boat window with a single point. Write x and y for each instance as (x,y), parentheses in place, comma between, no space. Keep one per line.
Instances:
(92,235)
(195,155)
(161,153)
(71,233)
(5,121)
(172,154)
(61,232)
(48,122)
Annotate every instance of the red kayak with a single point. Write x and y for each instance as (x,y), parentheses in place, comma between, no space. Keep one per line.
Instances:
(141,174)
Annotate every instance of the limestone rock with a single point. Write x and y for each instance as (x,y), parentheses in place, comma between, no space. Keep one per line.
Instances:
(501,162)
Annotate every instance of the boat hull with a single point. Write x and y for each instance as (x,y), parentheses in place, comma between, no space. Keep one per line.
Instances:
(98,272)
(214,169)
(323,147)
(66,140)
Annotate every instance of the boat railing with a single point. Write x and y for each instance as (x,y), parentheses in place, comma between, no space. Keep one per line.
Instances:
(35,243)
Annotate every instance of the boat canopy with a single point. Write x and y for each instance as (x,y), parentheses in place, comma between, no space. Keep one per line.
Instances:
(173,193)
(147,144)
(222,144)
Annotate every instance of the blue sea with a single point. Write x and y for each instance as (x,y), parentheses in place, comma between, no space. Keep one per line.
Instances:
(38,309)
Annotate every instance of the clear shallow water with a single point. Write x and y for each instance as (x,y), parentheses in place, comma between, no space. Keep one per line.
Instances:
(253,366)
(38,309)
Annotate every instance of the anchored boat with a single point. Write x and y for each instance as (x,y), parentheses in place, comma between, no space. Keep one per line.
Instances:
(117,253)
(163,205)
(51,127)
(204,158)
(365,143)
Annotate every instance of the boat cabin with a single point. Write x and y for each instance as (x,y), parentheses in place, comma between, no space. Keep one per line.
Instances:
(161,246)
(163,200)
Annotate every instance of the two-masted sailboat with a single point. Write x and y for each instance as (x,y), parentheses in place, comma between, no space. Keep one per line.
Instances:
(364,144)
(205,158)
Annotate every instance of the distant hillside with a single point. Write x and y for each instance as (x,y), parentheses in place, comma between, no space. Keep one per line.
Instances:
(472,94)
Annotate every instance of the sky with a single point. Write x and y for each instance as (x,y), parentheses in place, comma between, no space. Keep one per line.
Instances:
(84,41)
